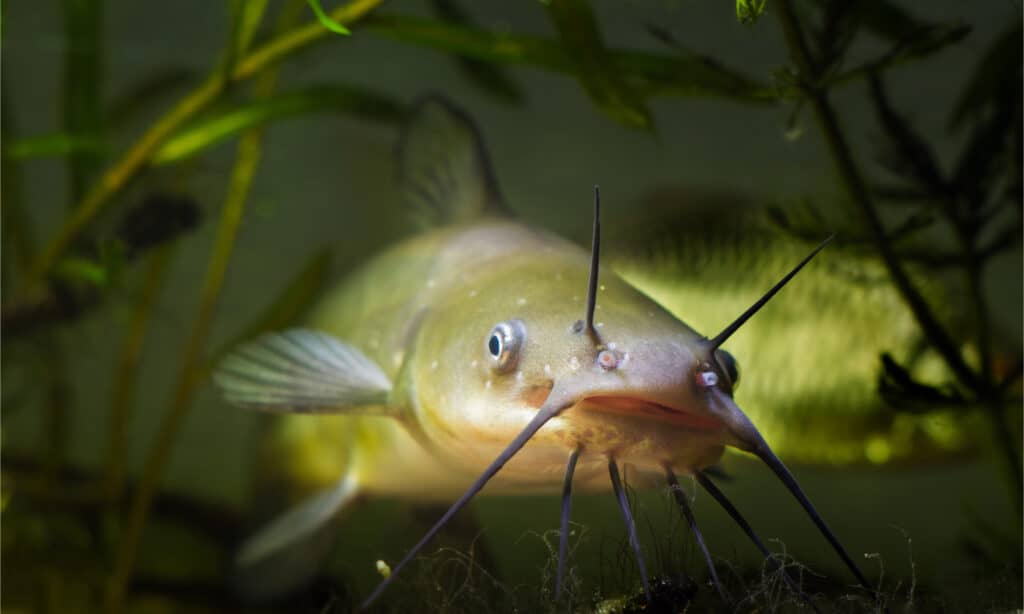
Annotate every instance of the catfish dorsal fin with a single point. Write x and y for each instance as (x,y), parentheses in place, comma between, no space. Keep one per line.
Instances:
(443,166)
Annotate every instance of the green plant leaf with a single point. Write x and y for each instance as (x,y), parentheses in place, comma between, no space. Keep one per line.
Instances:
(749,11)
(650,74)
(250,15)
(316,99)
(54,145)
(245,17)
(288,307)
(581,39)
(489,78)
(326,20)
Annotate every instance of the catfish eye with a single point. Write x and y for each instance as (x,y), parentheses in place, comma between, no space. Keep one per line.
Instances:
(729,365)
(504,343)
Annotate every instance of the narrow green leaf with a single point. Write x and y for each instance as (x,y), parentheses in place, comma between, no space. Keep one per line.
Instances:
(81,103)
(326,20)
(317,99)
(82,271)
(54,145)
(651,74)
(250,16)
(749,11)
(245,17)
(489,78)
(288,307)
(581,39)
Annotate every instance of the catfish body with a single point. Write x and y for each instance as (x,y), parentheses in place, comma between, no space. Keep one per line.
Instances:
(484,353)
(404,309)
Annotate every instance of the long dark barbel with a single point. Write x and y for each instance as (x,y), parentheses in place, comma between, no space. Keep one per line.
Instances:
(551,408)
(595,257)
(684,507)
(720,338)
(627,515)
(776,465)
(760,446)
(563,537)
(738,518)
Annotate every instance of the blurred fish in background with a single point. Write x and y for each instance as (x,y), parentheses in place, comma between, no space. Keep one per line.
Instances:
(817,359)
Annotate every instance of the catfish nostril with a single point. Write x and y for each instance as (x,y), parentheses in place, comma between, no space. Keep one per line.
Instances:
(608,360)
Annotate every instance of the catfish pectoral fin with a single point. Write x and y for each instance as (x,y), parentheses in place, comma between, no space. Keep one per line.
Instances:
(303,371)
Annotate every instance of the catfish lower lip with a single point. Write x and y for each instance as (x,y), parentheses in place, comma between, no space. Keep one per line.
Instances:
(644,408)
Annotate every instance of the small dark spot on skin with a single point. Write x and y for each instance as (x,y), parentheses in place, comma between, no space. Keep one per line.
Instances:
(577,326)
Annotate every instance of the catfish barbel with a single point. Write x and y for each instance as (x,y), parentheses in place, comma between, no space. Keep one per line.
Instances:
(486,352)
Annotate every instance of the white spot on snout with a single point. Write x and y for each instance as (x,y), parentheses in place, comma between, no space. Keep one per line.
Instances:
(472,294)
(487,384)
(396,358)
(473,364)
(547,369)
(433,365)
(520,301)
(430,283)
(707,379)
(574,363)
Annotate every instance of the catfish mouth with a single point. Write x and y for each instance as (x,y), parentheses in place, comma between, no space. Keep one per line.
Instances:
(646,408)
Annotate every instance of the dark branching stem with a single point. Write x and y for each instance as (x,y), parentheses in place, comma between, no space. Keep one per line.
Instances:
(595,258)
(740,521)
(549,410)
(627,516)
(684,507)
(860,194)
(563,535)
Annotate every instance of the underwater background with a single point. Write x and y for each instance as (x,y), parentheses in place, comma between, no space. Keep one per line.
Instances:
(180,176)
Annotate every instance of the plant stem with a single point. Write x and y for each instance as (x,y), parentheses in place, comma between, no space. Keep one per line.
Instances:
(138,155)
(858,191)
(127,371)
(190,376)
